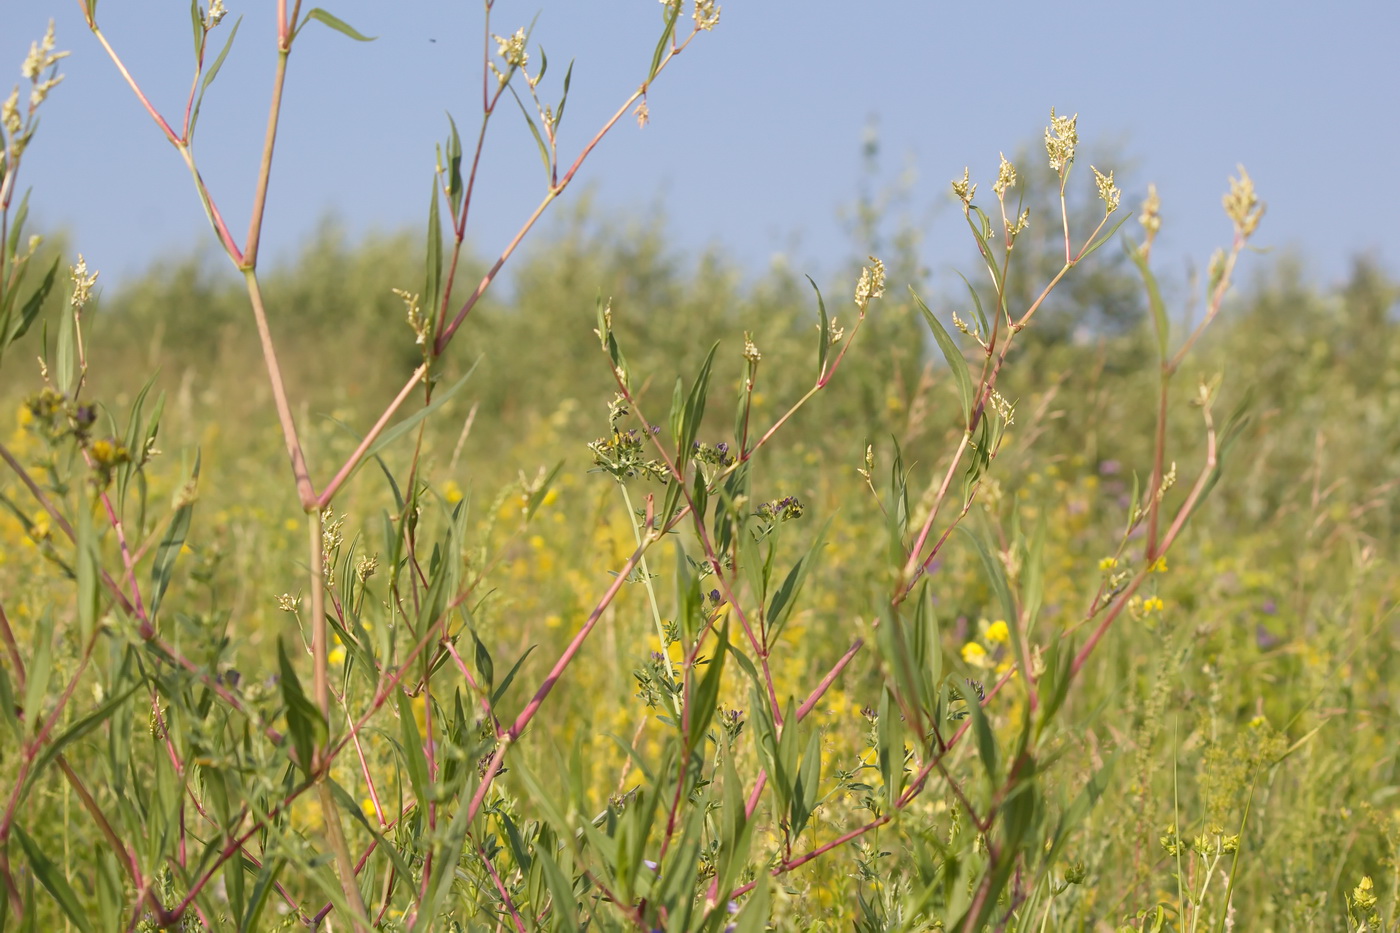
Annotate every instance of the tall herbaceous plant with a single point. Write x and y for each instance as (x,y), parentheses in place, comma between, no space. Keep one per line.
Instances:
(392,770)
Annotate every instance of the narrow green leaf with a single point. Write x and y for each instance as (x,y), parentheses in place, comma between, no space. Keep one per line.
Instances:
(485,667)
(440,399)
(36,686)
(8,706)
(17,228)
(1033,576)
(824,326)
(339,25)
(454,167)
(996,574)
(86,560)
(197,21)
(30,311)
(169,549)
(547,801)
(564,98)
(953,355)
(1104,238)
(565,908)
(67,339)
(666,36)
(211,74)
(52,878)
(804,794)
(701,708)
(982,732)
(262,892)
(76,730)
(535,132)
(785,599)
(305,723)
(432,284)
(1154,296)
(753,918)
(510,677)
(412,739)
(982,326)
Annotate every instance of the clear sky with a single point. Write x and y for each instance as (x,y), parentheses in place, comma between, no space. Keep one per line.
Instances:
(756,131)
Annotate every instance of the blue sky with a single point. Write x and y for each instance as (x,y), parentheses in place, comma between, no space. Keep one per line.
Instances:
(756,132)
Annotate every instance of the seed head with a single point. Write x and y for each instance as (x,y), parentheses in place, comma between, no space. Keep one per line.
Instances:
(706,15)
(1242,205)
(871,284)
(1006,177)
(82,283)
(964,190)
(1108,191)
(1061,136)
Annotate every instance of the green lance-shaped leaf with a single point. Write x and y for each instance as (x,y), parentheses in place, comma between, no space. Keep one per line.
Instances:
(8,706)
(564,910)
(676,421)
(1033,576)
(996,574)
(132,440)
(443,881)
(1104,237)
(82,727)
(263,888)
(484,665)
(727,519)
(412,740)
(454,167)
(1229,433)
(305,723)
(889,755)
(1075,813)
(432,282)
(67,341)
(676,894)
(210,75)
(500,691)
(673,10)
(169,549)
(336,23)
(36,686)
(389,435)
(694,411)
(52,878)
(701,708)
(197,22)
(735,828)
(982,732)
(563,98)
(824,325)
(535,132)
(86,559)
(753,918)
(1154,296)
(953,355)
(785,599)
(12,328)
(17,228)
(804,794)
(982,327)
(1054,683)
